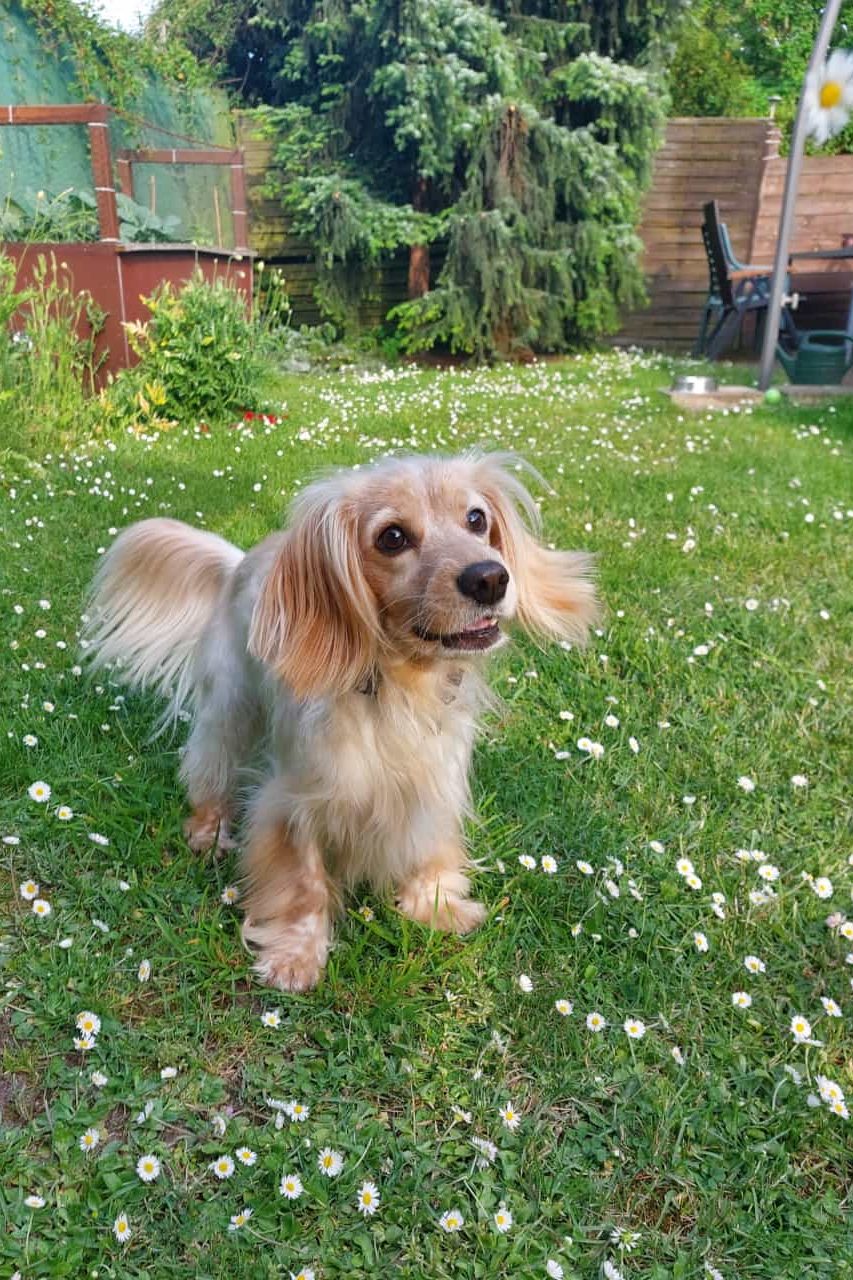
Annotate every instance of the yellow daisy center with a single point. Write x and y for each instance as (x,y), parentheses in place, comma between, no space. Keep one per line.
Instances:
(830,95)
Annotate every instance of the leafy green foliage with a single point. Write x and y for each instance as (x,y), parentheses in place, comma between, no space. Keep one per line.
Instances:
(72,215)
(199,355)
(733,55)
(392,118)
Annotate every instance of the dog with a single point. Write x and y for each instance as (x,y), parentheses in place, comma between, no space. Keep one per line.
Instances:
(349,649)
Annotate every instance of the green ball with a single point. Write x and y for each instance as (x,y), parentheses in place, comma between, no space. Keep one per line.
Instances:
(772,395)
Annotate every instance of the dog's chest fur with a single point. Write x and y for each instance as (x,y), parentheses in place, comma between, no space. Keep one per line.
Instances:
(379,778)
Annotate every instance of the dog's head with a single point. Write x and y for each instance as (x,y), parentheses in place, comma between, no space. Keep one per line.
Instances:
(414,559)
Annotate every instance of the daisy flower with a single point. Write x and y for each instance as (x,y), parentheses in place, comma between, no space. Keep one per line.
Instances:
(700,941)
(305,1274)
(768,872)
(829,1090)
(693,881)
(246,1156)
(367,1199)
(28,890)
(272,1018)
(298,1111)
(99,1079)
(239,1220)
(677,1055)
(229,895)
(828,96)
(754,965)
(684,867)
(595,1022)
(634,1028)
(487,1152)
(121,1228)
(846,929)
(830,1008)
(525,983)
(222,1167)
(451,1221)
(548,864)
(799,780)
(34,1202)
(88,1023)
(593,749)
(367,913)
(584,868)
(143,973)
(822,887)
(89,1140)
(741,999)
(290,1186)
(526,861)
(563,1007)
(625,1239)
(64,814)
(503,1219)
(168,1073)
(839,1108)
(510,1117)
(97,838)
(84,1043)
(610,1271)
(553,1269)
(330,1162)
(41,907)
(30,740)
(148,1168)
(39,791)
(746,784)
(801,1028)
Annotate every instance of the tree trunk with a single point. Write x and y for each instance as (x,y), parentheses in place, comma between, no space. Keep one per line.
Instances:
(418,283)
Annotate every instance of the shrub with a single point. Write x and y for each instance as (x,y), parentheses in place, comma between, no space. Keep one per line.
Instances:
(200,353)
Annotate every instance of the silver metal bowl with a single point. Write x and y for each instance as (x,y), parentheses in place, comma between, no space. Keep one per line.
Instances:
(694,384)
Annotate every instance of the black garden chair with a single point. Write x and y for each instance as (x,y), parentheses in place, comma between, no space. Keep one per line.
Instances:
(734,288)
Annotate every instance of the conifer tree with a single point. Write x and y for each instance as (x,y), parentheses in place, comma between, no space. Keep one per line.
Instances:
(504,144)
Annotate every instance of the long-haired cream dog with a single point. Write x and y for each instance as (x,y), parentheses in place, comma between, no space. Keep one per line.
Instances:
(349,647)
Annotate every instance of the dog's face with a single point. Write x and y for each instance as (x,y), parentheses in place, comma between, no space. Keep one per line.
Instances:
(416,559)
(429,545)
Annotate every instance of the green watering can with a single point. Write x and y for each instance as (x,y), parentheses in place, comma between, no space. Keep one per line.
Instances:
(822,356)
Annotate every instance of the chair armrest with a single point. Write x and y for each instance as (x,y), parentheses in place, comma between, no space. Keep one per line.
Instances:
(746,273)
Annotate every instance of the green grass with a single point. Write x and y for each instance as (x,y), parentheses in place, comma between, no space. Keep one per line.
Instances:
(414,1041)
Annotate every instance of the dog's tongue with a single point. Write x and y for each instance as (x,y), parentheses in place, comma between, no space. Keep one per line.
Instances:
(482,624)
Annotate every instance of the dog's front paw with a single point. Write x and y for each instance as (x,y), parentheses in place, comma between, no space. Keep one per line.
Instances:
(447,911)
(208,829)
(291,959)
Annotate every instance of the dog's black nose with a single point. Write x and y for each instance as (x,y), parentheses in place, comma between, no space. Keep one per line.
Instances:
(486,582)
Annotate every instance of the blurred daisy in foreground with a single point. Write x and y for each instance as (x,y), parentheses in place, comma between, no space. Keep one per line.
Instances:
(828,97)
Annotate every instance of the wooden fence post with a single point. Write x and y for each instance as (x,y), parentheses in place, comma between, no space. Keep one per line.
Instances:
(102,174)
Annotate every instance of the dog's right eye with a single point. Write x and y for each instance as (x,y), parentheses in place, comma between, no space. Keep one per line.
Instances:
(392,540)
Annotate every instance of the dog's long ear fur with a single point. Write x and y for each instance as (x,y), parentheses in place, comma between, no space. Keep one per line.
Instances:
(556,596)
(315,622)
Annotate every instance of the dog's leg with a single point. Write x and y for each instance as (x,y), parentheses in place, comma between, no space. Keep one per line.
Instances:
(289,902)
(220,742)
(438,893)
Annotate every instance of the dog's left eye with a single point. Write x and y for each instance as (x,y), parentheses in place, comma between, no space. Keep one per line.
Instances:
(476,520)
(392,540)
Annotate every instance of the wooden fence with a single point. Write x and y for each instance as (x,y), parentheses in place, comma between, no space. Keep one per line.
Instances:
(736,162)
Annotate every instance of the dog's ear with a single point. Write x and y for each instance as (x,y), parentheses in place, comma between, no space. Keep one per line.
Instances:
(556,596)
(315,621)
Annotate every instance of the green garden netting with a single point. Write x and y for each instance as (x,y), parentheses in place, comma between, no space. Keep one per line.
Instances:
(38,163)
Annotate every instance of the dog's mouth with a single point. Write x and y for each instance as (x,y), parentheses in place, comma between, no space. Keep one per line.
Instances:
(477,636)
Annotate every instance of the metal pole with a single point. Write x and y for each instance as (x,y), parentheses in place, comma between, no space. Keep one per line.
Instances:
(789,199)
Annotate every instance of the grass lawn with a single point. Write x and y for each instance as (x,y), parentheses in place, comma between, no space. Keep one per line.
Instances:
(719,689)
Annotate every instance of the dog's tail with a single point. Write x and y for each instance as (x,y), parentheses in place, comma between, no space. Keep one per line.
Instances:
(151,599)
